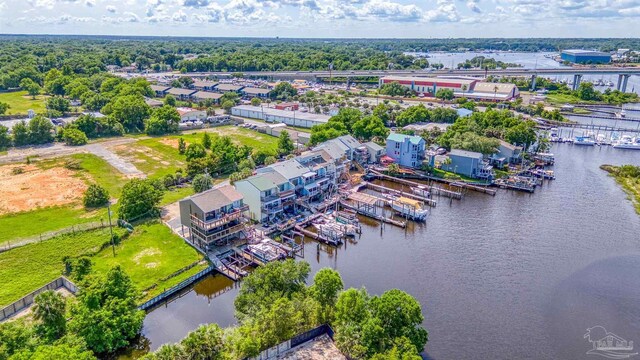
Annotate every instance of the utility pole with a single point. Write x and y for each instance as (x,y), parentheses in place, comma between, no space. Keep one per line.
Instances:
(113,245)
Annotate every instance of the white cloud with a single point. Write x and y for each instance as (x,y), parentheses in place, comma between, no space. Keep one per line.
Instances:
(180,16)
(127,17)
(112,9)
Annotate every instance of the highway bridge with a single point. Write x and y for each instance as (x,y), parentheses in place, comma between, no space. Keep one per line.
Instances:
(577,72)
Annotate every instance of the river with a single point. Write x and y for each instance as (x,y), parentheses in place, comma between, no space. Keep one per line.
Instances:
(512,276)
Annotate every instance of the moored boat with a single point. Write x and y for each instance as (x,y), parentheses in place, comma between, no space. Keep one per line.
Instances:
(409,208)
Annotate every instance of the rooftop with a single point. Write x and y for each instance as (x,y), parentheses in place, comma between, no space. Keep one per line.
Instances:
(207,95)
(289,169)
(204,83)
(185,110)
(493,88)
(320,348)
(179,91)
(373,146)
(432,80)
(257,91)
(266,181)
(285,113)
(584,52)
(216,198)
(427,126)
(401,138)
(228,87)
(465,153)
(159,87)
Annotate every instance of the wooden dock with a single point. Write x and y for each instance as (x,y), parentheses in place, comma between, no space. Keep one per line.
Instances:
(384,189)
(373,215)
(316,236)
(434,190)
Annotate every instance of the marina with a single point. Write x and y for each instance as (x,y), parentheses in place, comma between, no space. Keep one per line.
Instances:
(515,264)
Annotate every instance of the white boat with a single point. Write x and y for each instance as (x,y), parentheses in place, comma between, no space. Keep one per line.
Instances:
(586,140)
(409,208)
(627,142)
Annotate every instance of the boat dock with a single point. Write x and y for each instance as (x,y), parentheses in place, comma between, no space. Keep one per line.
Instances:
(384,189)
(435,190)
(367,205)
(316,236)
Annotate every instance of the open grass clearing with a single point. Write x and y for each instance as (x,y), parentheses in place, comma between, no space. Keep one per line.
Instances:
(20,102)
(29,267)
(152,252)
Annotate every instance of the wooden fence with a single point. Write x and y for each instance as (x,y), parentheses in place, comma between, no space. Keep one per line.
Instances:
(14,243)
(26,301)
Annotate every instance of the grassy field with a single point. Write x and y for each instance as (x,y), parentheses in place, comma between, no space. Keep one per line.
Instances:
(96,169)
(239,135)
(20,102)
(560,99)
(173,195)
(151,252)
(22,225)
(29,267)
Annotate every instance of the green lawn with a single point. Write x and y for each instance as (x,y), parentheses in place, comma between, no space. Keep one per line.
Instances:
(20,102)
(560,99)
(29,267)
(173,195)
(151,253)
(239,135)
(153,157)
(23,224)
(96,169)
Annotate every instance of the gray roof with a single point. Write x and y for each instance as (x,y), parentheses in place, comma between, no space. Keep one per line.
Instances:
(204,83)
(160,88)
(228,87)
(335,148)
(179,91)
(285,113)
(266,181)
(257,91)
(373,146)
(290,169)
(215,199)
(350,141)
(465,153)
(207,95)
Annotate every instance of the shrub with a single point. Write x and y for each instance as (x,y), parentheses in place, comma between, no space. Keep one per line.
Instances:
(95,196)
(202,182)
(74,137)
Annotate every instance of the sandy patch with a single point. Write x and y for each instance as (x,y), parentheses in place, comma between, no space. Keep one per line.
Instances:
(144,253)
(170,142)
(36,188)
(151,265)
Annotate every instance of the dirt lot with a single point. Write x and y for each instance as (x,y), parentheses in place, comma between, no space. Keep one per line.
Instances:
(35,188)
(170,142)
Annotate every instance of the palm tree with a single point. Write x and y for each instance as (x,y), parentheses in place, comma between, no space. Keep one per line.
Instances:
(495,92)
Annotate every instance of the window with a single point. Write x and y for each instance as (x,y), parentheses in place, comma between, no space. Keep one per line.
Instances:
(397,145)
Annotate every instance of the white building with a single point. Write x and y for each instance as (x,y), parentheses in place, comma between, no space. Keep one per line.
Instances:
(267,195)
(291,118)
(189,114)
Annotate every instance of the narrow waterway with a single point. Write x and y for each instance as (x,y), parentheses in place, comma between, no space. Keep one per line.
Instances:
(512,276)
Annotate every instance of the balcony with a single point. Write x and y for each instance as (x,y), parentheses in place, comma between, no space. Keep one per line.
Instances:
(207,225)
(287,193)
(208,239)
(268,199)
(271,209)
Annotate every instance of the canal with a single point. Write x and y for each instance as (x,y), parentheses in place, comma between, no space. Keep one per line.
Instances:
(512,276)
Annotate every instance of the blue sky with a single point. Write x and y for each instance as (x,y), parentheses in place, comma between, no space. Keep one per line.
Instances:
(325,18)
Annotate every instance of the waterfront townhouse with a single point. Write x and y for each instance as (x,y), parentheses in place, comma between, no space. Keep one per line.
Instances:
(213,217)
(406,150)
(268,195)
(321,176)
(468,163)
(338,153)
(374,151)
(291,170)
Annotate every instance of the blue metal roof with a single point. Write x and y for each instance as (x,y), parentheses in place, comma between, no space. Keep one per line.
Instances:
(401,138)
(462,112)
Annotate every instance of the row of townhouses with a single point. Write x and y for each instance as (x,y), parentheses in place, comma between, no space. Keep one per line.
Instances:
(219,215)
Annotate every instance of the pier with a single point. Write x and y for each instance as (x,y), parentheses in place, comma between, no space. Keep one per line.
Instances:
(434,190)
(367,205)
(384,189)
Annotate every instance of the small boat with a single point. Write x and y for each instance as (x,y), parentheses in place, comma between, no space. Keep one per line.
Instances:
(546,158)
(627,142)
(586,140)
(409,208)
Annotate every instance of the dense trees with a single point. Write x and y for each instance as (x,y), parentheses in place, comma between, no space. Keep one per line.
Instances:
(131,111)
(202,182)
(485,63)
(106,316)
(49,311)
(283,91)
(444,94)
(5,138)
(4,107)
(140,198)
(394,89)
(164,120)
(370,127)
(419,113)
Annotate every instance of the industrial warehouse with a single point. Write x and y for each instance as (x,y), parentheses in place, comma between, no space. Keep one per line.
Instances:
(462,87)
